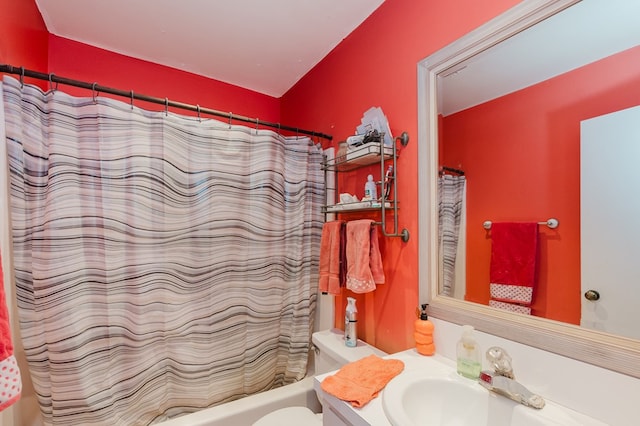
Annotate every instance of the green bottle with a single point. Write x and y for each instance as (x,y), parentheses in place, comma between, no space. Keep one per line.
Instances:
(468,354)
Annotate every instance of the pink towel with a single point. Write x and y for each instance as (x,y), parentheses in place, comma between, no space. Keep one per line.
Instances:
(375,258)
(10,382)
(514,253)
(331,257)
(364,261)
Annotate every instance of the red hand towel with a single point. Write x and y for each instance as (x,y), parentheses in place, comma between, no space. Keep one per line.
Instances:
(331,254)
(514,253)
(10,382)
(511,307)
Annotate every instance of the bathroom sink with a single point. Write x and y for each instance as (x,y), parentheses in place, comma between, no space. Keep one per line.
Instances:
(445,398)
(420,399)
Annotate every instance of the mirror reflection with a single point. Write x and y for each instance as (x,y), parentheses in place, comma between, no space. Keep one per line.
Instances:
(532,129)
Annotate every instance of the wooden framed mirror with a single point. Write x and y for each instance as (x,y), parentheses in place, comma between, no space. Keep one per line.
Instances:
(610,351)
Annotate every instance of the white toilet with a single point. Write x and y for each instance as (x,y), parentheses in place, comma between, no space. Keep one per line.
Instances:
(331,354)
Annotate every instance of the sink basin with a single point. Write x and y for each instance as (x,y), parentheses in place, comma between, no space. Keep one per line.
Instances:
(445,398)
(438,399)
(425,399)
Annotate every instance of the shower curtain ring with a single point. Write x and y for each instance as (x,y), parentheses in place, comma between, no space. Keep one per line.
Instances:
(21,77)
(279,130)
(230,118)
(257,124)
(166,106)
(198,109)
(132,100)
(51,88)
(94,92)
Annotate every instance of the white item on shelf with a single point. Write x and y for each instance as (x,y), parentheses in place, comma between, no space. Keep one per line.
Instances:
(374,119)
(361,205)
(367,153)
(355,140)
(370,190)
(348,198)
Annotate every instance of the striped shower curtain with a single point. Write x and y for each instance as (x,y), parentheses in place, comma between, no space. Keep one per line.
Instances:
(450,204)
(163,263)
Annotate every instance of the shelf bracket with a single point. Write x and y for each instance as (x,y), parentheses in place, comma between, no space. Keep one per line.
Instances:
(404,234)
(403,138)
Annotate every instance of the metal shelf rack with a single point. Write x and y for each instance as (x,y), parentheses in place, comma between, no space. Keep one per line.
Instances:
(366,155)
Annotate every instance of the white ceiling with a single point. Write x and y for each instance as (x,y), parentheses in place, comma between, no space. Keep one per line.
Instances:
(262,45)
(584,33)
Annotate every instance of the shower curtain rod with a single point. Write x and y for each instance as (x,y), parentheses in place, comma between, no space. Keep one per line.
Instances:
(452,170)
(96,88)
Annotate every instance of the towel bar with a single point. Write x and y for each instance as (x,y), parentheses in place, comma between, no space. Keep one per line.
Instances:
(552,223)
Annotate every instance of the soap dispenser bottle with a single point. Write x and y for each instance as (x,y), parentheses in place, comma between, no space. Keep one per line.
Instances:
(423,333)
(350,322)
(468,354)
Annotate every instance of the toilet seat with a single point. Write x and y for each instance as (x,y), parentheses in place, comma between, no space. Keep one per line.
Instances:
(290,416)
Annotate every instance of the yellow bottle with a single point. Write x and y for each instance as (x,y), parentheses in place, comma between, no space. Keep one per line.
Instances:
(423,333)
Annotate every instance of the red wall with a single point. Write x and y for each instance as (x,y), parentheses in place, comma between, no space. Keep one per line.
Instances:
(521,157)
(377,66)
(374,66)
(24,36)
(83,62)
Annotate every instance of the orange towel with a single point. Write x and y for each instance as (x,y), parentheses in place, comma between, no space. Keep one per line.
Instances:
(364,262)
(331,257)
(375,258)
(361,381)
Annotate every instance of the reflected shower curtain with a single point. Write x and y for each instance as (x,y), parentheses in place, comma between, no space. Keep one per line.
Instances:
(163,264)
(451,191)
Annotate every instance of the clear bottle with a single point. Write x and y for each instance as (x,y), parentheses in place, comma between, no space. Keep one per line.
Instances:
(370,190)
(350,323)
(423,333)
(468,354)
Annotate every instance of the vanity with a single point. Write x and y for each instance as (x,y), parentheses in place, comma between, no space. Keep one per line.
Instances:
(575,393)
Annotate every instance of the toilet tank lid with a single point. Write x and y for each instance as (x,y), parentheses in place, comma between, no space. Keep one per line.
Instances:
(332,343)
